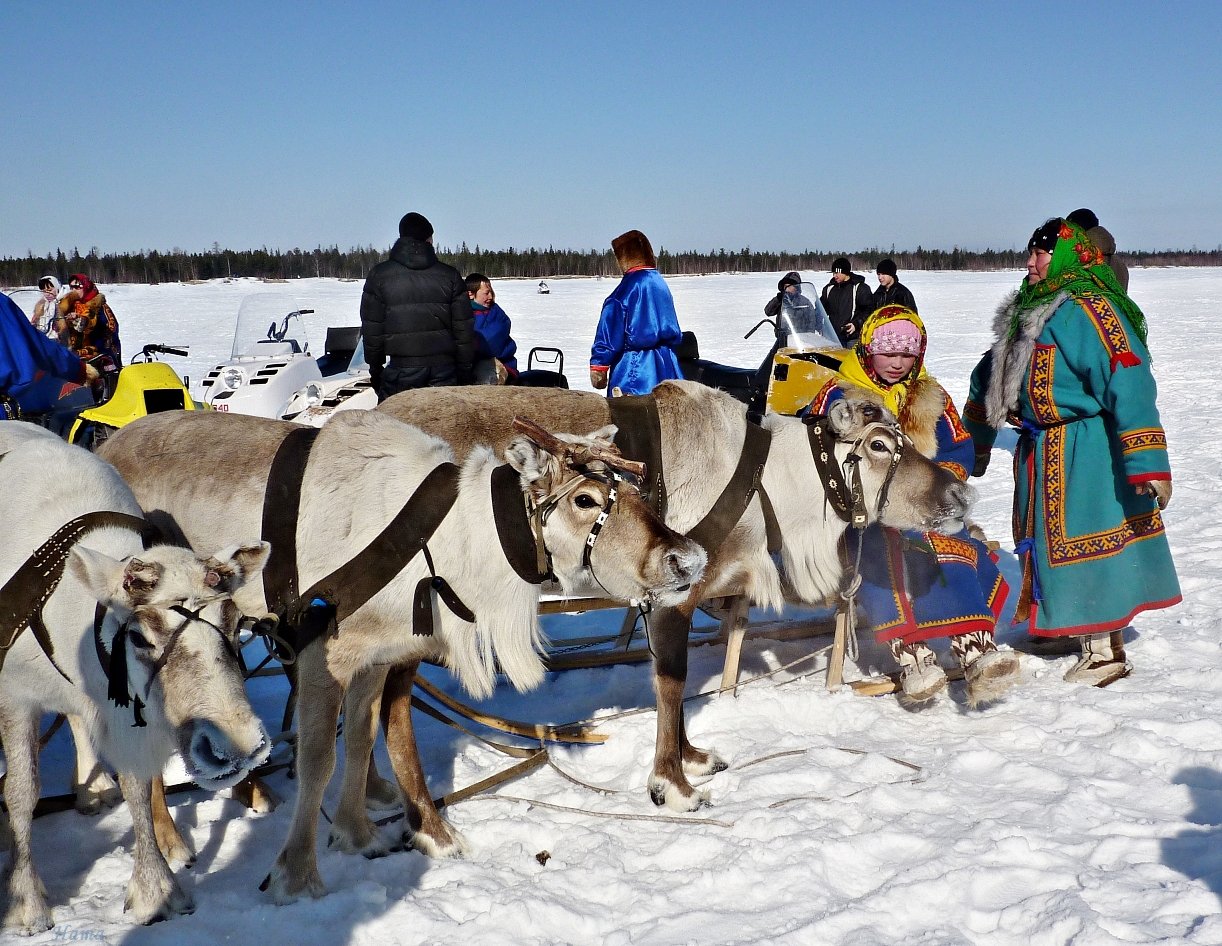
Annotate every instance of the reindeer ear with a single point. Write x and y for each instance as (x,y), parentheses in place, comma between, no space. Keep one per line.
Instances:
(100,573)
(841,416)
(233,567)
(605,435)
(528,458)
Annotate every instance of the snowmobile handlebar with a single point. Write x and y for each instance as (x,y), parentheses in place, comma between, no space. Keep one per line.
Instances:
(756,327)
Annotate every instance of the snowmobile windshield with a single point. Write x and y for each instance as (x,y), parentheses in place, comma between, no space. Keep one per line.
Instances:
(358,362)
(804,321)
(270,324)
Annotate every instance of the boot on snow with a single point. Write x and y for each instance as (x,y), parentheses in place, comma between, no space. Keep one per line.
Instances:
(1102,662)
(921,679)
(989,672)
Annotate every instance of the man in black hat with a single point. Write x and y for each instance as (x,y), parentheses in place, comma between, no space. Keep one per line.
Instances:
(848,301)
(415,311)
(890,290)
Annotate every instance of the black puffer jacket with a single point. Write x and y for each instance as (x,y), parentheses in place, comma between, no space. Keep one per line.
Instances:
(897,294)
(847,303)
(415,311)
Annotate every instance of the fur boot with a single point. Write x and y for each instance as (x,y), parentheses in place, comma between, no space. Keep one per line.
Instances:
(921,679)
(989,672)
(1102,662)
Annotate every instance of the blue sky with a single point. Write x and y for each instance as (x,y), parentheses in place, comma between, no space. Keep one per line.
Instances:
(773,125)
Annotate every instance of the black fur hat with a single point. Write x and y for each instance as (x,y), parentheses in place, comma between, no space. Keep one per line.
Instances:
(1084,218)
(1046,235)
(886,267)
(842,266)
(415,226)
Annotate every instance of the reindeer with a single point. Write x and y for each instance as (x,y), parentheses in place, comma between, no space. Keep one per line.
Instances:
(589,526)
(133,643)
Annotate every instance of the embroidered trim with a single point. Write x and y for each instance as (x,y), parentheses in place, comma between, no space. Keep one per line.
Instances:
(1110,327)
(958,469)
(958,431)
(1040,383)
(1144,438)
(974,411)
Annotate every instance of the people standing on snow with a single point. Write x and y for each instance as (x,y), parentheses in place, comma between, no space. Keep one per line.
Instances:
(638,330)
(43,318)
(1099,236)
(890,290)
(86,323)
(416,316)
(1070,368)
(847,300)
(918,586)
(494,346)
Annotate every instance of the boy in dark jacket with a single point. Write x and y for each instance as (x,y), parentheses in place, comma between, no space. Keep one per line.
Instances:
(847,300)
(890,290)
(416,316)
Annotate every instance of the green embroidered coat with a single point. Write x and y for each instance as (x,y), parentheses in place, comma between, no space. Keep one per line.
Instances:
(1076,379)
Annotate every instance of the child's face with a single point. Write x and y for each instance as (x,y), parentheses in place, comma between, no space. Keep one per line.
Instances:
(892,368)
(483,295)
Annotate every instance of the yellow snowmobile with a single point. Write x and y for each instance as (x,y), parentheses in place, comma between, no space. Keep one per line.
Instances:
(145,386)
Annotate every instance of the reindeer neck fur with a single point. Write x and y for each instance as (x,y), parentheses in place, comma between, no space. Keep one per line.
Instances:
(1012,355)
(810,528)
(384,461)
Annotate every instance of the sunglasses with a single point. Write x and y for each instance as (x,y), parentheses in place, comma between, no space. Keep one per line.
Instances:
(74,285)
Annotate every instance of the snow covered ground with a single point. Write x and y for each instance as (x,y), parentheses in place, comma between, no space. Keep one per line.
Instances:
(1062,815)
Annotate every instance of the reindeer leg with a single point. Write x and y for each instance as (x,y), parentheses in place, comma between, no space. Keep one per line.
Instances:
(668,784)
(169,841)
(352,831)
(92,784)
(296,869)
(153,892)
(426,831)
(26,911)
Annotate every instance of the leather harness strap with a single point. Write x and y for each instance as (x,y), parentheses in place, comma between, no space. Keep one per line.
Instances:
(526,556)
(734,499)
(281,508)
(640,438)
(23,596)
(349,587)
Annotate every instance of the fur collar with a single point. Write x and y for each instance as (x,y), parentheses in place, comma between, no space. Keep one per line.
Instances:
(1012,355)
(920,414)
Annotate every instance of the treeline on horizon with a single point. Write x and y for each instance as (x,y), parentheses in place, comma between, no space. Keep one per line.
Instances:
(153,266)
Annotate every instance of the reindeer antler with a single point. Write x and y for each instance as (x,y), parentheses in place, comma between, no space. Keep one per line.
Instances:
(575,452)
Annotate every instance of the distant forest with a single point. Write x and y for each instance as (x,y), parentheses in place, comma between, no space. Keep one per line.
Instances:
(153,266)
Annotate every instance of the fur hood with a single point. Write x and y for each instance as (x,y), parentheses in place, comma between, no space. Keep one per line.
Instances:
(633,250)
(1011,356)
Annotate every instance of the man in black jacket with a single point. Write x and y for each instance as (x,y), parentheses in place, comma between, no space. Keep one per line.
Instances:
(847,300)
(890,290)
(415,311)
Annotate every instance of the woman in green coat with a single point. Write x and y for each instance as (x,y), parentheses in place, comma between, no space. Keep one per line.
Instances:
(1071,370)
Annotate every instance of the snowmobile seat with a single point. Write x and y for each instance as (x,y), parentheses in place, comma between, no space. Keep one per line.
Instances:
(341,343)
(739,383)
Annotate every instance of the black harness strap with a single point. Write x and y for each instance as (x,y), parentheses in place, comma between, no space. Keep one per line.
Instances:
(514,529)
(640,438)
(734,499)
(281,505)
(31,586)
(350,586)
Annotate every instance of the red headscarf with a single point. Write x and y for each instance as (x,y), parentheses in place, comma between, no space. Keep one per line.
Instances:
(88,289)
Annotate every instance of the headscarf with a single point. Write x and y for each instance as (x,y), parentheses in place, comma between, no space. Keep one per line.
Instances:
(1079,268)
(882,324)
(88,289)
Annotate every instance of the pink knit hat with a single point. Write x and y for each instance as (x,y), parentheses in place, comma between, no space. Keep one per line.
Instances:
(900,337)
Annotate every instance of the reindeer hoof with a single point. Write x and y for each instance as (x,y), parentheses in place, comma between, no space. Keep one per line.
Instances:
(676,797)
(701,764)
(450,844)
(286,888)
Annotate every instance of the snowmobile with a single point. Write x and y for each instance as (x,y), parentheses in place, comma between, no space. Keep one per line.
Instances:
(271,371)
(144,386)
(804,357)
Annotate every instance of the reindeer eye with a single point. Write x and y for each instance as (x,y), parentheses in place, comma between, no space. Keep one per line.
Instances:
(584,501)
(139,640)
(879,446)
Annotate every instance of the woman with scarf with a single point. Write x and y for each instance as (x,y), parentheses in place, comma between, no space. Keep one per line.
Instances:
(86,323)
(918,586)
(1071,370)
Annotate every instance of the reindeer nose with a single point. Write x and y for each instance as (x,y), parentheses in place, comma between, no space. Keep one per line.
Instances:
(964,495)
(686,567)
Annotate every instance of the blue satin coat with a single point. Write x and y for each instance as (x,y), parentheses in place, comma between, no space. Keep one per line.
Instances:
(637,334)
(34,369)
(492,338)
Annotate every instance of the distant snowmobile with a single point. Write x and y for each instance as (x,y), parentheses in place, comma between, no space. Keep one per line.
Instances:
(543,290)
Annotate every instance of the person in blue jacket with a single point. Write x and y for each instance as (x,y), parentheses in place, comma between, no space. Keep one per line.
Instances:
(638,331)
(492,328)
(39,374)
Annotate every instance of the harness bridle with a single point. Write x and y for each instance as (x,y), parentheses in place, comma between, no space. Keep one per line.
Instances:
(842,486)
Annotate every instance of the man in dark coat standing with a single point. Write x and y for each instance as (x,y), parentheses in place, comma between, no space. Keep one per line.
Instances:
(847,300)
(890,290)
(415,311)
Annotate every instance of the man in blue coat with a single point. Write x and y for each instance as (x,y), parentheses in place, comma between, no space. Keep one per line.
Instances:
(634,344)
(39,374)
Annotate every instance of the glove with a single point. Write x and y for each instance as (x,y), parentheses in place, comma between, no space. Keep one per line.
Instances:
(91,373)
(982,462)
(598,376)
(1159,489)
